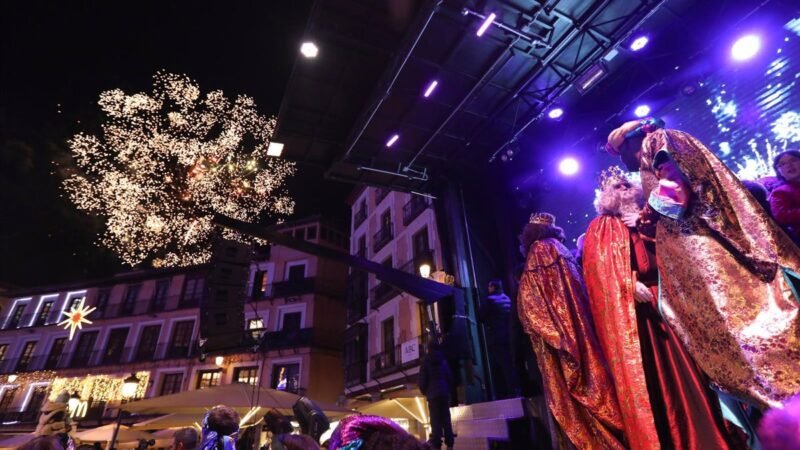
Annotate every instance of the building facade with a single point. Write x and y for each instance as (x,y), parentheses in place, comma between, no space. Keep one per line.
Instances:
(387,329)
(147,323)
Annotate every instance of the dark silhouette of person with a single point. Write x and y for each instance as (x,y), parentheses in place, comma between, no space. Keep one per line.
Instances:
(495,315)
(435,381)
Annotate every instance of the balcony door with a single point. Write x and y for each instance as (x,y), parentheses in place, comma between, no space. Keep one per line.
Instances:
(387,328)
(115,346)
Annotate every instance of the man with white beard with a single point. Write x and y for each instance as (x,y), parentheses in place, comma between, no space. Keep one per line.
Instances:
(664,398)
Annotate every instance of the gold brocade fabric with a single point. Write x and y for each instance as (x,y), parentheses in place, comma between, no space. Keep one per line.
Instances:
(609,282)
(722,287)
(554,311)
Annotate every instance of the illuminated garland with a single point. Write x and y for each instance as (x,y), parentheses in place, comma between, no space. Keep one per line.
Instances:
(97,387)
(28,377)
(165,162)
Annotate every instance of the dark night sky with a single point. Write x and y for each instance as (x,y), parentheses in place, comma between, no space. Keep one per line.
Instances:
(57,58)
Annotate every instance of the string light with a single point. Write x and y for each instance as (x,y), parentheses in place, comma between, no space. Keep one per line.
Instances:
(97,387)
(165,162)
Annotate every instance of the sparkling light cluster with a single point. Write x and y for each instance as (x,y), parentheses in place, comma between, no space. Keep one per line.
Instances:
(97,387)
(165,162)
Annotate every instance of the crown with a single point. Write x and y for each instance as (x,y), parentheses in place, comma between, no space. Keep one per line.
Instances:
(543,218)
(612,175)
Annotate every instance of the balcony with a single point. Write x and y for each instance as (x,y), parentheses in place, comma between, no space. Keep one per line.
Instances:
(359,217)
(381,294)
(382,237)
(280,340)
(388,362)
(357,296)
(355,373)
(96,358)
(412,265)
(380,194)
(414,208)
(288,288)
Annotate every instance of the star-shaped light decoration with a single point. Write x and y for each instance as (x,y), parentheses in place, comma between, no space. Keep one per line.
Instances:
(76,317)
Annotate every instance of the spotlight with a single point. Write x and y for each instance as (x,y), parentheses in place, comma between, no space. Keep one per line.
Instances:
(746,47)
(485,25)
(275,149)
(555,113)
(641,111)
(309,50)
(431,87)
(639,43)
(569,166)
(392,140)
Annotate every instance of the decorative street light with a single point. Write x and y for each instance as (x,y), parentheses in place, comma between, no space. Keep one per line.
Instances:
(129,387)
(425,264)
(73,402)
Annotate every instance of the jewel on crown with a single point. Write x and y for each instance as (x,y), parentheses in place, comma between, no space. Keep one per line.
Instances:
(612,175)
(543,218)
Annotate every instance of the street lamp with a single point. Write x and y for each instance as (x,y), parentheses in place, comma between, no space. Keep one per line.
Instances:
(129,387)
(73,402)
(425,264)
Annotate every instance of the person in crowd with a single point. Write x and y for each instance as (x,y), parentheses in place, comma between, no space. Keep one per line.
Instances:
(495,315)
(366,432)
(299,442)
(664,398)
(784,200)
(554,311)
(44,443)
(435,382)
(278,426)
(220,429)
(760,192)
(779,429)
(184,439)
(724,266)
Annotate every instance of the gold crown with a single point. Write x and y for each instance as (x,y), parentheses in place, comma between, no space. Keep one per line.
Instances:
(543,218)
(612,175)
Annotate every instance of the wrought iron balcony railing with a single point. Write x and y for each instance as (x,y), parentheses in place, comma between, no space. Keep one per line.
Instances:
(382,237)
(391,361)
(413,208)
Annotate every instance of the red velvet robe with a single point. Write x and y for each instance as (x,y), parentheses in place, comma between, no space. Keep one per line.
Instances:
(554,311)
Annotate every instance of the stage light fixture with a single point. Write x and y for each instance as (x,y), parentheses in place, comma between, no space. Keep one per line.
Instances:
(745,47)
(485,25)
(591,77)
(641,111)
(392,140)
(639,43)
(431,87)
(555,113)
(309,50)
(275,149)
(569,166)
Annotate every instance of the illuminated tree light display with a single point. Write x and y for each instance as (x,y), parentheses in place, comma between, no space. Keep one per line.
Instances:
(97,387)
(165,162)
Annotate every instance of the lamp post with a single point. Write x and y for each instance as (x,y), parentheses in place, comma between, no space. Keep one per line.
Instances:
(129,386)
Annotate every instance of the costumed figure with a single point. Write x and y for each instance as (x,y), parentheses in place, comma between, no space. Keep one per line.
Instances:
(553,309)
(665,400)
(727,272)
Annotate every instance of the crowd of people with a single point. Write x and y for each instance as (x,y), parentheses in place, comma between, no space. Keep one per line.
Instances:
(681,318)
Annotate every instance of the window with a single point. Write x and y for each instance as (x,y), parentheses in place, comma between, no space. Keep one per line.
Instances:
(299,233)
(296,272)
(246,375)
(255,326)
(192,291)
(311,232)
(55,353)
(362,247)
(171,383)
(37,398)
(83,350)
(208,378)
(291,321)
(115,346)
(3,350)
(148,342)
(386,219)
(73,302)
(419,242)
(26,356)
(286,377)
(260,283)
(387,326)
(8,398)
(160,296)
(181,339)
(129,301)
(16,316)
(44,311)
(102,300)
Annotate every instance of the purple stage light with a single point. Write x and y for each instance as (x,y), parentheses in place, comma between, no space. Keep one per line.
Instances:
(431,87)
(392,140)
(639,43)
(569,166)
(641,111)
(485,25)
(555,113)
(746,47)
